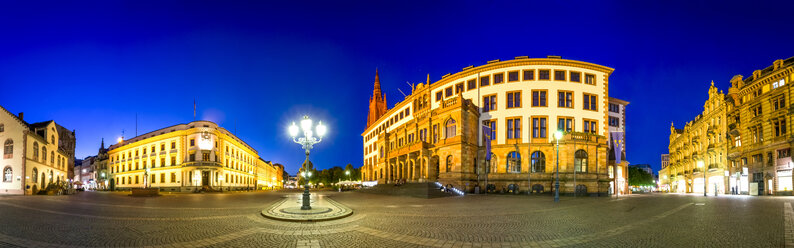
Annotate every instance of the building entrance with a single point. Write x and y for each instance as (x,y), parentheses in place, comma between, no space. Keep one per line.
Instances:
(205,178)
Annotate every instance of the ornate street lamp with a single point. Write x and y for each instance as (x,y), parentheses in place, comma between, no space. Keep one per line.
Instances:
(307,142)
(702,167)
(557,137)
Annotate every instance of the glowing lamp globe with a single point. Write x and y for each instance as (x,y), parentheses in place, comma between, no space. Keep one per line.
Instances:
(321,129)
(558,135)
(306,123)
(293,130)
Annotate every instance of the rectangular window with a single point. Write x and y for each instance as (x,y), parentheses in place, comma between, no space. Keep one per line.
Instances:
(544,75)
(493,129)
(538,127)
(173,160)
(448,91)
(590,126)
(779,102)
(514,99)
(614,108)
(589,79)
(514,128)
(529,75)
(439,95)
(173,145)
(590,102)
(173,177)
(192,143)
(498,78)
(565,124)
(512,76)
(485,81)
(538,98)
(559,75)
(205,156)
(471,84)
(192,157)
(458,88)
(779,126)
(435,133)
(614,121)
(489,103)
(565,99)
(576,77)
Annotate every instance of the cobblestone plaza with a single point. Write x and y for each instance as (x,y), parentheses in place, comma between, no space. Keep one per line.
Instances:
(96,219)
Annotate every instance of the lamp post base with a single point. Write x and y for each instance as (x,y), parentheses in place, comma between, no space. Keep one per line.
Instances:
(306,204)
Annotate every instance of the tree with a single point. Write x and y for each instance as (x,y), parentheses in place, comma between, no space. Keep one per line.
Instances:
(639,177)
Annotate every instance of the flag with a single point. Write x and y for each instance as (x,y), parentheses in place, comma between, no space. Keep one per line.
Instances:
(617,145)
(486,135)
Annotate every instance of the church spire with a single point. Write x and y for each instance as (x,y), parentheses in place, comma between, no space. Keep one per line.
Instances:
(377,82)
(103,143)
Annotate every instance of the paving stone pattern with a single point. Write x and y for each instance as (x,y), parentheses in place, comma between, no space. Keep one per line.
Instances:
(102,219)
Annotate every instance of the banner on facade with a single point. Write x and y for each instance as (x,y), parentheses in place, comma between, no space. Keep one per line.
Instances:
(617,145)
(486,136)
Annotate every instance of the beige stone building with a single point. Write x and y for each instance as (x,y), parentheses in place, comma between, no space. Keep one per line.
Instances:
(32,156)
(436,133)
(743,138)
(198,155)
(699,149)
(759,125)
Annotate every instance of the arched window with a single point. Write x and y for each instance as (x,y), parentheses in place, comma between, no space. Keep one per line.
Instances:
(513,162)
(450,128)
(449,163)
(35,150)
(538,162)
(52,157)
(493,168)
(35,176)
(2,128)
(8,148)
(51,177)
(52,139)
(44,153)
(8,174)
(580,161)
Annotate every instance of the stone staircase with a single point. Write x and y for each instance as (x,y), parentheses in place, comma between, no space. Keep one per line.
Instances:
(419,190)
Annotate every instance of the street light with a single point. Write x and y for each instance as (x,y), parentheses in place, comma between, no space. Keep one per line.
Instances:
(702,170)
(557,137)
(307,143)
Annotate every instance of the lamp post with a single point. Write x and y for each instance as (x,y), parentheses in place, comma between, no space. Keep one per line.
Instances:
(557,137)
(248,182)
(104,181)
(702,167)
(307,143)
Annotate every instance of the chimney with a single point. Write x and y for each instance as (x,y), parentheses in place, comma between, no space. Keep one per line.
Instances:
(22,116)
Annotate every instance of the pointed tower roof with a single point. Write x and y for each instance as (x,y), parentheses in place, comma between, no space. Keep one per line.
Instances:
(377,80)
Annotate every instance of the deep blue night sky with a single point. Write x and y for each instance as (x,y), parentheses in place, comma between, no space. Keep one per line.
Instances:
(91,66)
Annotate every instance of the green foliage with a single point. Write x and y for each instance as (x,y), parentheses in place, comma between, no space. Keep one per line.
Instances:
(639,177)
(331,176)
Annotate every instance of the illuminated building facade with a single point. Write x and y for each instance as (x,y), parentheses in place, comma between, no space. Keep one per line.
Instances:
(743,138)
(700,147)
(33,158)
(759,130)
(436,133)
(186,157)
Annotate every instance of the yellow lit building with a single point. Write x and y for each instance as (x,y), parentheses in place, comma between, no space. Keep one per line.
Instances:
(32,158)
(743,139)
(759,128)
(186,157)
(699,147)
(436,133)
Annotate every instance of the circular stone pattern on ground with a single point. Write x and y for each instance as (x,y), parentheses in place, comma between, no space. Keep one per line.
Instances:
(323,208)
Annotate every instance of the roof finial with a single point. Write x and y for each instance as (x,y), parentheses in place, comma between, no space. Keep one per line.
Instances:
(428,79)
(712,83)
